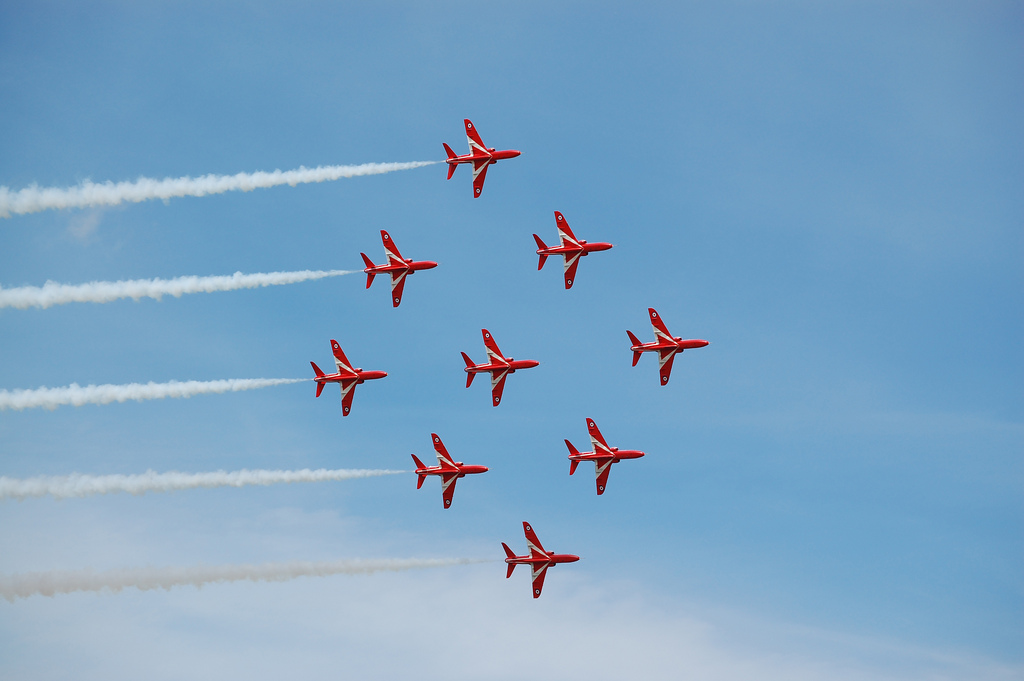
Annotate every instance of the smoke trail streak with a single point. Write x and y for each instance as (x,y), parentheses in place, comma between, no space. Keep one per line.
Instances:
(76,395)
(53,293)
(145,579)
(34,199)
(81,485)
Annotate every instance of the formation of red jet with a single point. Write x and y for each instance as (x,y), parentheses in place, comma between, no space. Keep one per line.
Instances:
(665,344)
(479,155)
(397,267)
(603,456)
(347,377)
(497,365)
(448,469)
(572,250)
(538,559)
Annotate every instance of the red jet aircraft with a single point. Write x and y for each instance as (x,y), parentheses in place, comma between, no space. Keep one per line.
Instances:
(480,156)
(347,377)
(449,470)
(603,456)
(572,249)
(498,366)
(538,559)
(397,266)
(664,343)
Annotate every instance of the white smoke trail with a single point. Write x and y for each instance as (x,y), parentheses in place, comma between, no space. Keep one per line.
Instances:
(81,485)
(145,579)
(76,395)
(34,199)
(53,293)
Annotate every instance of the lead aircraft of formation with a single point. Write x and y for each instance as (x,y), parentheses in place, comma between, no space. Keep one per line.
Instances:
(571,248)
(538,559)
(665,344)
(603,456)
(497,365)
(479,155)
(449,470)
(347,377)
(396,266)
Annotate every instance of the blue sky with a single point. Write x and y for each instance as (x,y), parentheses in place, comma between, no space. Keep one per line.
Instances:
(830,194)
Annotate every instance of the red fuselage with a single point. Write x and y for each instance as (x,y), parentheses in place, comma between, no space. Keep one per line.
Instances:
(491,156)
(358,378)
(463,470)
(678,344)
(410,267)
(550,558)
(510,366)
(583,249)
(617,455)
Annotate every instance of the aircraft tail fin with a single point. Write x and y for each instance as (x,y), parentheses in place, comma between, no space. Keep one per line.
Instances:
(636,343)
(369,275)
(421,477)
(511,554)
(319,386)
(572,451)
(469,374)
(451,166)
(541,246)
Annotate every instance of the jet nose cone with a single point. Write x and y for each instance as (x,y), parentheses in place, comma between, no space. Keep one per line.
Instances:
(429,265)
(705,343)
(530,363)
(513,153)
(571,558)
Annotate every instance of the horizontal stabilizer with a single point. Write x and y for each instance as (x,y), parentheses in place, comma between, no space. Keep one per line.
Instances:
(448,150)
(419,464)
(366,259)
(572,466)
(316,369)
(572,449)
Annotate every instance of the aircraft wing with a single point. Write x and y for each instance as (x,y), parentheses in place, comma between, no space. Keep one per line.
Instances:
(536,550)
(572,261)
(397,287)
(596,439)
(660,330)
(390,250)
(479,175)
(340,360)
(348,391)
(492,348)
(665,358)
(443,457)
(538,578)
(602,470)
(448,487)
(498,385)
(473,137)
(564,232)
